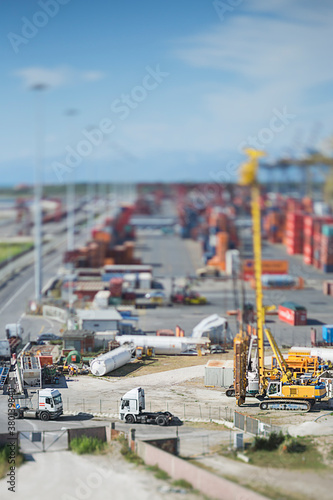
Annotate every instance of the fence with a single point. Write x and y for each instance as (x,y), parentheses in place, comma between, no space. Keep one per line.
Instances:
(182,411)
(253,425)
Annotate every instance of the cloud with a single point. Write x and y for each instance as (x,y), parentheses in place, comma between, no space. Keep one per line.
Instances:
(259,48)
(51,77)
(92,76)
(56,77)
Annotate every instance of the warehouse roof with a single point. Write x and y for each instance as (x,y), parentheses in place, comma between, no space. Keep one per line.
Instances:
(78,334)
(110,314)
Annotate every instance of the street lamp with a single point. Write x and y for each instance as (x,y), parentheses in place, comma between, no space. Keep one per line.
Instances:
(39,138)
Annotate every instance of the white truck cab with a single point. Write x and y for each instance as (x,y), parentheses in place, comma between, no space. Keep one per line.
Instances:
(133,402)
(49,406)
(131,410)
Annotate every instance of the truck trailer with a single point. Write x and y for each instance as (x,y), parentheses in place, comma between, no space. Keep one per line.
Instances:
(131,410)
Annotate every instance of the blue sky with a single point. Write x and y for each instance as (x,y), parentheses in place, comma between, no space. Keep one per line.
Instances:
(179,88)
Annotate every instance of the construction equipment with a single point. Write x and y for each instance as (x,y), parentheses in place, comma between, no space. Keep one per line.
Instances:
(131,410)
(278,389)
(49,405)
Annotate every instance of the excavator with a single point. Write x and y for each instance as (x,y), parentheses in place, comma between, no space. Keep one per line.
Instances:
(278,388)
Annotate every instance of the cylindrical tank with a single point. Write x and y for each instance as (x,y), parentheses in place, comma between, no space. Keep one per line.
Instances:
(110,361)
(161,345)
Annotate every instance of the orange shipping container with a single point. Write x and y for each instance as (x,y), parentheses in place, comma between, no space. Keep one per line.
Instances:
(222,240)
(268,267)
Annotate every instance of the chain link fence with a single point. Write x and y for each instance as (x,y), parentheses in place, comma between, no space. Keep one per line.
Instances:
(183,411)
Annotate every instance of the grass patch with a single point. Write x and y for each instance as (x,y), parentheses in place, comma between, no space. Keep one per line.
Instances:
(182,483)
(9,250)
(292,453)
(163,363)
(85,444)
(127,453)
(158,473)
(5,453)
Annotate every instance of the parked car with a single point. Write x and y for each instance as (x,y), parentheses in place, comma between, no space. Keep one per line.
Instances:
(216,349)
(48,336)
(209,272)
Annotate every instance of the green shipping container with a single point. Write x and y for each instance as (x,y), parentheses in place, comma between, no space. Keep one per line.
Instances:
(327,230)
(293,306)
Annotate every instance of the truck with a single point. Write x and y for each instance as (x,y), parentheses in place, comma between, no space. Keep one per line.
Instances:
(49,405)
(131,409)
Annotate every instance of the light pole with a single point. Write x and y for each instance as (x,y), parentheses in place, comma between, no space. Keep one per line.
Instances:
(70,200)
(39,138)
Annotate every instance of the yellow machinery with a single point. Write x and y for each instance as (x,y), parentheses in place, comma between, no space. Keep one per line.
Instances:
(277,389)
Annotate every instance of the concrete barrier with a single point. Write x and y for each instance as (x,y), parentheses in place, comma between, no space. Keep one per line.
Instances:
(55,313)
(213,486)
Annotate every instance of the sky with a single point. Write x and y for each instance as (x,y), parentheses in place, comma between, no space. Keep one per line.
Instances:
(160,90)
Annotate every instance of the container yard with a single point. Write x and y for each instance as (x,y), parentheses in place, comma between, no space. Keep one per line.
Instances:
(166,263)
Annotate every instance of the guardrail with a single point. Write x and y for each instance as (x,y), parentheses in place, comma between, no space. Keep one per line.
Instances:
(26,260)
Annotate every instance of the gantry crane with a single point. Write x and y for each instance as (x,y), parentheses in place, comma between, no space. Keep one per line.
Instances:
(277,389)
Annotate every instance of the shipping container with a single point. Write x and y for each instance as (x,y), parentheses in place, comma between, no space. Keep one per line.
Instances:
(328,334)
(293,313)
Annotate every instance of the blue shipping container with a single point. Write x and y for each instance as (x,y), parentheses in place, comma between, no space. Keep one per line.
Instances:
(328,333)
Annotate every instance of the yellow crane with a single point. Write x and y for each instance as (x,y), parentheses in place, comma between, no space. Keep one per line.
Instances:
(277,389)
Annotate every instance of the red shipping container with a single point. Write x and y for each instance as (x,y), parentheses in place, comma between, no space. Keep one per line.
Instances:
(293,314)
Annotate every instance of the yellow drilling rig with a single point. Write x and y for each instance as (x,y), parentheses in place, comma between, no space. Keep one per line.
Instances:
(278,388)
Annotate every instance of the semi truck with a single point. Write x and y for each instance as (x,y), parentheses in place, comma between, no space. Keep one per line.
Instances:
(49,405)
(131,409)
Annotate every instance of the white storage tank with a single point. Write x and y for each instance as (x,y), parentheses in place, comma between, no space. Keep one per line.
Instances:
(162,345)
(110,361)
(145,280)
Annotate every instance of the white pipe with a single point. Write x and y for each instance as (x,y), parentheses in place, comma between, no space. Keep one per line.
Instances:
(161,345)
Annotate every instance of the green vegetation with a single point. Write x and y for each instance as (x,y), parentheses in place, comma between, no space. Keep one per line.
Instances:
(5,451)
(127,453)
(182,483)
(9,250)
(271,443)
(158,473)
(85,444)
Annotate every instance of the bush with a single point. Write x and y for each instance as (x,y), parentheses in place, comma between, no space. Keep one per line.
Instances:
(182,483)
(127,453)
(85,444)
(271,443)
(4,455)
(295,446)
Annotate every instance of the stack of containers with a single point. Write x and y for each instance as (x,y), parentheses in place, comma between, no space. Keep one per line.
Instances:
(222,240)
(116,287)
(326,251)
(308,239)
(317,238)
(294,232)
(274,226)
(312,238)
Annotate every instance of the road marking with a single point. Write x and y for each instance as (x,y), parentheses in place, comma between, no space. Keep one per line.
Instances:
(13,297)
(20,290)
